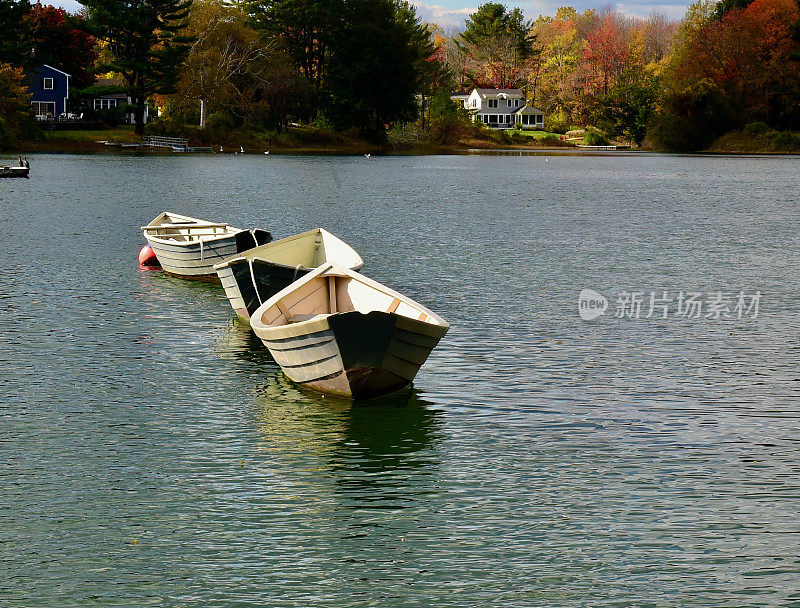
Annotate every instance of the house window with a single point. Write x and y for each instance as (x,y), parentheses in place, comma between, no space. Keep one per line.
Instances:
(47,84)
(105,104)
(492,103)
(43,109)
(539,118)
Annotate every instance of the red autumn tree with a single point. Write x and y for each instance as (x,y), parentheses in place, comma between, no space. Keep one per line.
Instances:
(59,41)
(605,54)
(746,53)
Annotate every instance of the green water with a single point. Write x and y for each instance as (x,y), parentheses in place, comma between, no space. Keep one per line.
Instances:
(151,453)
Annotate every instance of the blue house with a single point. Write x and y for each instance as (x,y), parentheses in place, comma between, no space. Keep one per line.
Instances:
(50,90)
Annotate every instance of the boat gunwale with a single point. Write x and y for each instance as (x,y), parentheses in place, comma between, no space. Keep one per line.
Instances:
(438,329)
(230,231)
(200,238)
(251,254)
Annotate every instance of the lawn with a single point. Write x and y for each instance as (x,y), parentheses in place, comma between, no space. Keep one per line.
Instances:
(536,134)
(123,133)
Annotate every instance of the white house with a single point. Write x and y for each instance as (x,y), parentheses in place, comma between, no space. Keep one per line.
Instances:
(501,108)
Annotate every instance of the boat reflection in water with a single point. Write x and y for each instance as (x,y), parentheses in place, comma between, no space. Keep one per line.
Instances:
(364,454)
(239,342)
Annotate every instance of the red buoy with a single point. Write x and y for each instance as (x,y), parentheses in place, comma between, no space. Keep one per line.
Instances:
(147,258)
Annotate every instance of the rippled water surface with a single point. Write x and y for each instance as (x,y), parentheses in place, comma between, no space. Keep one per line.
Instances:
(151,453)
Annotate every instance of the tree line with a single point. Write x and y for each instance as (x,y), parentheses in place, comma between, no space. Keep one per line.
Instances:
(679,84)
(370,65)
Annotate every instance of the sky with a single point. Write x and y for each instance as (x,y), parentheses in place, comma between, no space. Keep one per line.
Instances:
(449,13)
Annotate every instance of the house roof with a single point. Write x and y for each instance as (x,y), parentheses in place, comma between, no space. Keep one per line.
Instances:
(110,82)
(526,109)
(57,70)
(500,92)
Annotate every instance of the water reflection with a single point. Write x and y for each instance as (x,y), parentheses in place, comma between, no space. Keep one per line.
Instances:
(160,292)
(239,342)
(362,453)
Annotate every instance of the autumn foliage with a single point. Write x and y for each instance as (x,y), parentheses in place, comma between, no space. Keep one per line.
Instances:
(605,55)
(58,40)
(738,64)
(16,120)
(679,84)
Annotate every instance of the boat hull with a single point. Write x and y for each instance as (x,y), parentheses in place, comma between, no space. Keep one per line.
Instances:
(248,288)
(14,171)
(197,259)
(354,355)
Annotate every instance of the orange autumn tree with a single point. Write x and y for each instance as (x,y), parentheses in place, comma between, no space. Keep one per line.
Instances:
(745,53)
(17,121)
(605,54)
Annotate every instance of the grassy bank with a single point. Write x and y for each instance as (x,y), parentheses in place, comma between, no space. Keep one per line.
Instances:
(757,140)
(296,140)
(81,140)
(754,139)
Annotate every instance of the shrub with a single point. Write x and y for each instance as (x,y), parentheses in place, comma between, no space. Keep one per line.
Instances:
(405,135)
(502,137)
(550,140)
(595,137)
(556,122)
(448,121)
(757,128)
(321,122)
(786,141)
(692,118)
(113,116)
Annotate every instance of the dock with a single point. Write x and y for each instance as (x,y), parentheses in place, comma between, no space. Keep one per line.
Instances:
(604,147)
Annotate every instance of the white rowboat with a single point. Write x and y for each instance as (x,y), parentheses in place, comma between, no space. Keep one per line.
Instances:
(189,247)
(338,332)
(254,277)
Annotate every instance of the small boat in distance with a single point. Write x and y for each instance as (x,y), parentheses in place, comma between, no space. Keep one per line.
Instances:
(14,171)
(258,274)
(338,332)
(188,247)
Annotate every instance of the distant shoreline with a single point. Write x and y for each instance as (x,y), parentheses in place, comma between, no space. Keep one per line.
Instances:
(735,144)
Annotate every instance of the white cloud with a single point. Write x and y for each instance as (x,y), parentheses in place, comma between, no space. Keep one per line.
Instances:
(70,5)
(671,11)
(642,8)
(441,15)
